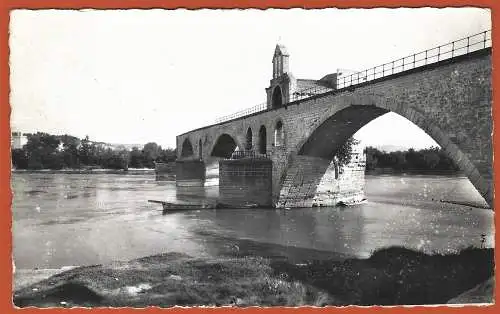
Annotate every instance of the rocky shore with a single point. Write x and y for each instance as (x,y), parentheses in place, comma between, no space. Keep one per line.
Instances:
(392,276)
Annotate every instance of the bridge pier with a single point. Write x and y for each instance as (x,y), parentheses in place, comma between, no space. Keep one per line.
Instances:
(245,181)
(189,172)
(316,182)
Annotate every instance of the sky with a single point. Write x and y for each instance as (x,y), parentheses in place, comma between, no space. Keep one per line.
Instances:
(136,76)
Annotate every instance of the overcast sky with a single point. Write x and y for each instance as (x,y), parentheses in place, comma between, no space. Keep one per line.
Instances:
(134,76)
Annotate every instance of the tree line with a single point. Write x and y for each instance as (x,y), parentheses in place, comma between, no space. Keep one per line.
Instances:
(429,159)
(46,151)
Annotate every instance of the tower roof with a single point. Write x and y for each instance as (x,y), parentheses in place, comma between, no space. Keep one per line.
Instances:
(281,50)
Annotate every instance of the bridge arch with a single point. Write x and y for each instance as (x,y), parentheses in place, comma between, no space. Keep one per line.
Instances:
(187,148)
(200,149)
(249,139)
(279,134)
(277,99)
(224,146)
(334,129)
(262,140)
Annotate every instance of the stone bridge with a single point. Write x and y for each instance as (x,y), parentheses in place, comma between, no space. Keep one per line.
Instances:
(451,100)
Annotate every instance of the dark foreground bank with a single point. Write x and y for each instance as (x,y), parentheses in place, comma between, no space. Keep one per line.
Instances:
(389,277)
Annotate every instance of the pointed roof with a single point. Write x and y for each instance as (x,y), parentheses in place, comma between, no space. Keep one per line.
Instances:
(281,50)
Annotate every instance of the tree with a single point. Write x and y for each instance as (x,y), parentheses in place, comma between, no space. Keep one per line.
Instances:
(371,158)
(150,151)
(344,153)
(85,151)
(41,151)
(167,155)
(432,158)
(111,159)
(71,155)
(19,158)
(44,151)
(135,158)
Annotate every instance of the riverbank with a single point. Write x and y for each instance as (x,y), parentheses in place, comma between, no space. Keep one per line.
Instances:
(391,276)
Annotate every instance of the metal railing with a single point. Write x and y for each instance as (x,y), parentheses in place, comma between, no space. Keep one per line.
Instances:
(241,154)
(242,113)
(309,92)
(443,52)
(447,51)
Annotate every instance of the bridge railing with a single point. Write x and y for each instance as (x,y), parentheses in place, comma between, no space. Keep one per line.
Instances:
(447,51)
(443,52)
(309,92)
(242,113)
(240,154)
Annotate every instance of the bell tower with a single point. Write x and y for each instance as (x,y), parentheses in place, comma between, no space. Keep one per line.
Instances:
(282,82)
(280,61)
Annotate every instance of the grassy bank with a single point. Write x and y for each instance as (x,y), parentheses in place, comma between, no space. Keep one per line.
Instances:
(390,276)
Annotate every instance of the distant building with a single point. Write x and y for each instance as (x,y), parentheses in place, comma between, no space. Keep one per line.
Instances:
(18,140)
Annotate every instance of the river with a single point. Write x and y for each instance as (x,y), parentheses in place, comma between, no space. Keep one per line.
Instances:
(74,219)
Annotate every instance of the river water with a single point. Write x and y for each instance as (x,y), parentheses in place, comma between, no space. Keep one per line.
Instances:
(74,219)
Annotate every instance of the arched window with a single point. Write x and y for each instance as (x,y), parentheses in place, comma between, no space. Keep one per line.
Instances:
(200,149)
(249,143)
(279,134)
(277,97)
(262,140)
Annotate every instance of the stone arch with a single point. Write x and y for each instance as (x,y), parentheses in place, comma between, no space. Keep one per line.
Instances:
(224,146)
(279,134)
(334,129)
(332,132)
(262,140)
(277,97)
(249,139)
(187,148)
(200,149)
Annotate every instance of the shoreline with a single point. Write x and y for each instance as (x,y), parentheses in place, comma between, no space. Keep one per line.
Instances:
(391,276)
(86,171)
